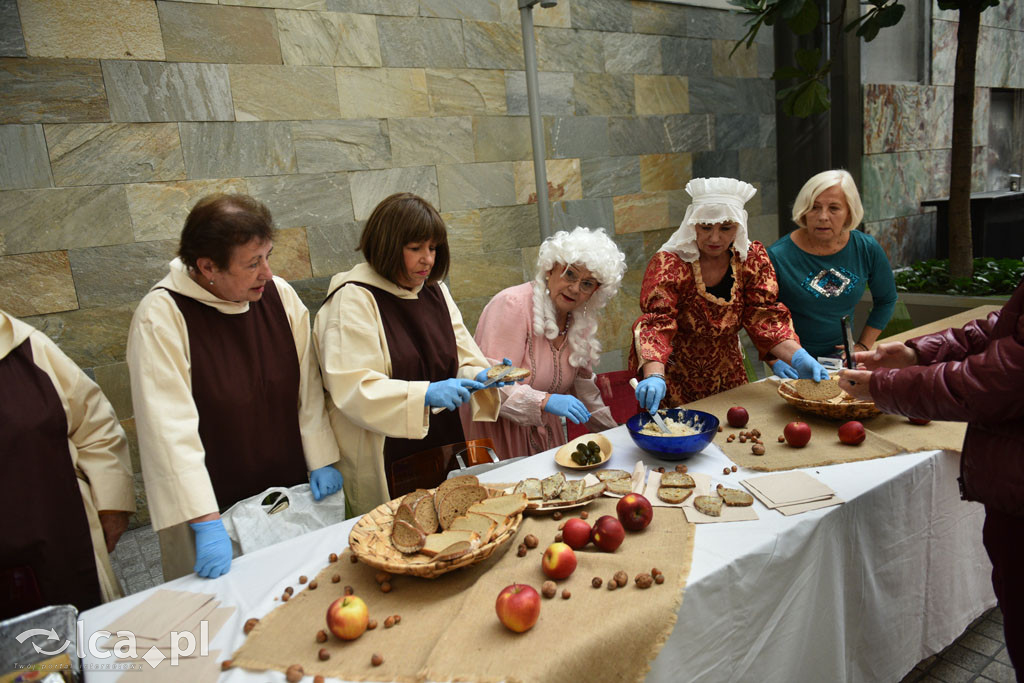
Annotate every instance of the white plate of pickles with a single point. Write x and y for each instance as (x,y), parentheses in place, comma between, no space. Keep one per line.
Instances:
(584,452)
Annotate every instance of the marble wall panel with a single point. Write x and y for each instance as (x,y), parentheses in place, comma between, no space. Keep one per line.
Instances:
(602,15)
(631,53)
(509,227)
(944,52)
(712,163)
(89,336)
(603,94)
(477,277)
(158,91)
(422,42)
(434,140)
(491,45)
(403,8)
(659,172)
(284,4)
(101,153)
(333,248)
(716,95)
(660,18)
(757,164)
(563,175)
(121,273)
(474,10)
(584,137)
(765,62)
(904,117)
(470,186)
(562,49)
(328,38)
(348,145)
(766,135)
(737,131)
(686,56)
(37,283)
(52,91)
(895,184)
(370,187)
(501,138)
(291,255)
(641,211)
(637,135)
(230,35)
(456,92)
(555,90)
(305,200)
(906,239)
(158,210)
(995,53)
(12,42)
(246,148)
(263,92)
(115,384)
(465,235)
(597,212)
(740,64)
(382,93)
(24,162)
(1009,15)
(91,29)
(609,176)
(659,95)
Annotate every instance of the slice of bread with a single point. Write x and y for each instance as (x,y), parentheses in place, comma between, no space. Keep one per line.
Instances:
(439,542)
(552,486)
(678,479)
(735,497)
(514,376)
(531,487)
(509,506)
(474,521)
(454,551)
(425,513)
(411,498)
(407,538)
(405,514)
(619,487)
(502,522)
(457,501)
(592,492)
(709,505)
(454,482)
(572,491)
(607,475)
(816,391)
(673,494)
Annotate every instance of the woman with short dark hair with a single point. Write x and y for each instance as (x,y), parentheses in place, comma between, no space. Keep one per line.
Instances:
(392,345)
(225,384)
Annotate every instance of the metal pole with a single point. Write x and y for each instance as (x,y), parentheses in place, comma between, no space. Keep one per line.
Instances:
(536,130)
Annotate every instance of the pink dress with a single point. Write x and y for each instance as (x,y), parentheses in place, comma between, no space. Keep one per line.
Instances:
(505,330)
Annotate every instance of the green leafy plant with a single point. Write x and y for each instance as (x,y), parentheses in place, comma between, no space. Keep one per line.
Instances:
(991,277)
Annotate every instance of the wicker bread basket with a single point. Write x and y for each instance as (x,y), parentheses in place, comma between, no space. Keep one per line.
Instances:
(370,540)
(839,408)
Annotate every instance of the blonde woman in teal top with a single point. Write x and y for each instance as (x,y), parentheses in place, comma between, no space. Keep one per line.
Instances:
(824,266)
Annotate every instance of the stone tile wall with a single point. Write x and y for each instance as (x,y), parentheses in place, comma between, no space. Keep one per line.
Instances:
(908,131)
(115,117)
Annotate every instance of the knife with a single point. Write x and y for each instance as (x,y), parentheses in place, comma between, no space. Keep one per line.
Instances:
(655,416)
(848,344)
(487,385)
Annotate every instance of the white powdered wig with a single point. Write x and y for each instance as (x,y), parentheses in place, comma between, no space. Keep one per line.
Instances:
(715,200)
(596,251)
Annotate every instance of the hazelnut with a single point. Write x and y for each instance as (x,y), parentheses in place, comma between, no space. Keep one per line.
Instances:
(720,428)
(303,579)
(743,439)
(733,468)
(757,449)
(685,468)
(318,679)
(381,577)
(294,673)
(521,552)
(566,594)
(385,587)
(530,541)
(661,470)
(321,636)
(353,559)
(621,578)
(730,438)
(596,582)
(371,624)
(558,537)
(584,514)
(659,579)
(756,432)
(611,584)
(725,470)
(556,515)
(398,618)
(333,557)
(250,624)
(285,597)
(655,571)
(679,467)
(782,439)
(289,590)
(549,589)
(389,622)
(336,579)
(376,659)
(312,585)
(349,590)
(644,580)
(324,655)
(225,665)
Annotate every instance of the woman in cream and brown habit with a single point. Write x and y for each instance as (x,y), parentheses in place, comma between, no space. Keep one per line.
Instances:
(392,345)
(225,384)
(66,476)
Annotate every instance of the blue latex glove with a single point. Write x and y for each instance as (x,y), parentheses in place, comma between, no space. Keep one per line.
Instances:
(806,367)
(324,481)
(569,407)
(482,376)
(213,548)
(650,392)
(784,370)
(450,393)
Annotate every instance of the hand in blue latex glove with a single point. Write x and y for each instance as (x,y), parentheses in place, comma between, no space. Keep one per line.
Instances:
(806,367)
(569,407)
(213,548)
(324,481)
(784,370)
(450,393)
(650,392)
(482,376)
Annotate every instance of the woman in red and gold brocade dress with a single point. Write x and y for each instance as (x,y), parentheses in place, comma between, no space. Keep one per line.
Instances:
(704,284)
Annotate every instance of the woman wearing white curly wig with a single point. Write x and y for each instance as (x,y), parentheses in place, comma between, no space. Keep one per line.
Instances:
(703,285)
(549,326)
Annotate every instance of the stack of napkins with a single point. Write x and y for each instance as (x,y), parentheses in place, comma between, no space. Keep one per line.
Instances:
(791,492)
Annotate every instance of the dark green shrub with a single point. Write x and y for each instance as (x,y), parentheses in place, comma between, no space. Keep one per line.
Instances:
(991,276)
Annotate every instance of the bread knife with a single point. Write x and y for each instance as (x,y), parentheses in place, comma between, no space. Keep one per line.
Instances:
(487,385)
(658,420)
(848,344)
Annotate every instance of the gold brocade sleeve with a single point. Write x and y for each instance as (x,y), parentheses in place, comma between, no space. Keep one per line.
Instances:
(654,330)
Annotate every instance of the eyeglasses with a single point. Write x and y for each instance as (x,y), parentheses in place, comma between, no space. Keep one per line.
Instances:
(586,285)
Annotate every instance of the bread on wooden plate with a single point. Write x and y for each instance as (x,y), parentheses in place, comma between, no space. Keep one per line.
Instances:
(591,492)
(673,494)
(531,487)
(436,543)
(514,376)
(709,505)
(678,479)
(735,497)
(552,486)
(607,475)
(572,491)
(619,487)
(406,537)
(474,521)
(456,501)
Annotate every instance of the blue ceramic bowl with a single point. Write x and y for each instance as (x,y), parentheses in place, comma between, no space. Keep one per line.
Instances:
(674,447)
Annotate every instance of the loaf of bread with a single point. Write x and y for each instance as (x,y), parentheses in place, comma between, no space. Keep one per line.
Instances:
(406,537)
(709,505)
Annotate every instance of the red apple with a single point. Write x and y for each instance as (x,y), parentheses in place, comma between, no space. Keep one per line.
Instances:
(737,416)
(608,534)
(797,434)
(576,533)
(518,607)
(918,420)
(559,561)
(851,433)
(634,511)
(347,617)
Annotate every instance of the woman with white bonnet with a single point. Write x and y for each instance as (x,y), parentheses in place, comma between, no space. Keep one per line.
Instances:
(703,285)
(549,326)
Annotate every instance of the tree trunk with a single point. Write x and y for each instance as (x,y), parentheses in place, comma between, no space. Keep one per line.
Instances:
(961,259)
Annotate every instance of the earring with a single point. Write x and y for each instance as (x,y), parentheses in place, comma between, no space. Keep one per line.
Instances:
(211,282)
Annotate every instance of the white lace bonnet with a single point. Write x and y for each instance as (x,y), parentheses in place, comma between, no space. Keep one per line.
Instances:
(715,200)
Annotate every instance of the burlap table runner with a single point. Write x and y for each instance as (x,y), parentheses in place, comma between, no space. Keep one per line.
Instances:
(770,413)
(449,629)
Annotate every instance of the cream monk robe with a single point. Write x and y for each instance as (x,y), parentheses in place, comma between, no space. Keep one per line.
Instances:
(227,392)
(392,345)
(66,476)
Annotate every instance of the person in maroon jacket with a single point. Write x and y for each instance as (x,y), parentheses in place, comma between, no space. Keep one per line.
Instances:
(976,375)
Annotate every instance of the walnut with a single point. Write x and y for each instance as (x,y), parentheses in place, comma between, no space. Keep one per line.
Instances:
(549,589)
(621,578)
(644,580)
(531,541)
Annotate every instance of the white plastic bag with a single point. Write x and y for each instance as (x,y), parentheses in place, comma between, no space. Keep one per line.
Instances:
(251,525)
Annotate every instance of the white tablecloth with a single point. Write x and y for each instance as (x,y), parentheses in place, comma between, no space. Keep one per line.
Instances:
(857,592)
